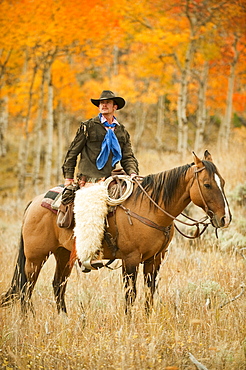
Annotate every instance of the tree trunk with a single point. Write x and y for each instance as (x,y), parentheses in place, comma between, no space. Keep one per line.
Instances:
(141,113)
(201,111)
(224,132)
(49,132)
(38,136)
(60,131)
(160,121)
(116,61)
(182,116)
(67,133)
(24,142)
(3,125)
(22,162)
(182,101)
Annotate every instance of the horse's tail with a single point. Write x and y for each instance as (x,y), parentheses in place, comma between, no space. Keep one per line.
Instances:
(19,279)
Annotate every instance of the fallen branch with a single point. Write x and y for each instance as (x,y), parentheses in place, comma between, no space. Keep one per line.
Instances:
(242,286)
(197,363)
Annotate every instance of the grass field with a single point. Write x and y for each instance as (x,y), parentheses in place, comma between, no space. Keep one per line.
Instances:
(199,308)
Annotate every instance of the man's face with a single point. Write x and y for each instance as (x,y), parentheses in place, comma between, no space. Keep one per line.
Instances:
(107,107)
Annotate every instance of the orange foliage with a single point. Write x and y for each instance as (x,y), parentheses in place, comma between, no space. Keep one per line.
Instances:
(239,102)
(78,37)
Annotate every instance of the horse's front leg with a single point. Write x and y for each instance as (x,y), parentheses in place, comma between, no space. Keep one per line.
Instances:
(129,278)
(63,271)
(151,269)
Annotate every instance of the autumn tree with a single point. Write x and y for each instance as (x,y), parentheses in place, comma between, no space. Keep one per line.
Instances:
(172,63)
(45,30)
(234,34)
(181,36)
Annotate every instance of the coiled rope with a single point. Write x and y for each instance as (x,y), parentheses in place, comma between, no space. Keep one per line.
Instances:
(127,191)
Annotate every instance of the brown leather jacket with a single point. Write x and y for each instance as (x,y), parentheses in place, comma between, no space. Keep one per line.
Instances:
(87,143)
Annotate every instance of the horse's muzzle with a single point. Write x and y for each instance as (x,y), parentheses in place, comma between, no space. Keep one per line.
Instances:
(220,222)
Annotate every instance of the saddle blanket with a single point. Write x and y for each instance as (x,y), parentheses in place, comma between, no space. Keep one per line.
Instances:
(50,196)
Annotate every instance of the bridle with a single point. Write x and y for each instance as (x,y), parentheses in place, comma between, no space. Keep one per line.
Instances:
(196,223)
(206,209)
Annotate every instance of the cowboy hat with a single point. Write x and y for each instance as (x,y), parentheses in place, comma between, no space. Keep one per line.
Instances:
(109,95)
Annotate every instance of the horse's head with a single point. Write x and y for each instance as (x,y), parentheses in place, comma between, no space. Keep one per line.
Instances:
(207,191)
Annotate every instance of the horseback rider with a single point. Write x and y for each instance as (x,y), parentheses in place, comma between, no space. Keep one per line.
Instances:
(101,142)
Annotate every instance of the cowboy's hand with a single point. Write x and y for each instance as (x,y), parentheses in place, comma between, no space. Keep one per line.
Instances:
(68,182)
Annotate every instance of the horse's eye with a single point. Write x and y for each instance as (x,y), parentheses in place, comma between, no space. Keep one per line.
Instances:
(208,186)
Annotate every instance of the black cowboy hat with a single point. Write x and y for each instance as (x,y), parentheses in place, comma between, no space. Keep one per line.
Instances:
(109,95)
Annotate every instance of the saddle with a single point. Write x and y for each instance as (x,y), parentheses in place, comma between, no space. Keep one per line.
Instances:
(64,202)
(65,214)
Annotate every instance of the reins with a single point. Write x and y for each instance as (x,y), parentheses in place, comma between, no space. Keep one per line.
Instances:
(144,220)
(196,223)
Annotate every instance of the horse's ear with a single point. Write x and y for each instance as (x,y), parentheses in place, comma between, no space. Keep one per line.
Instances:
(207,156)
(197,160)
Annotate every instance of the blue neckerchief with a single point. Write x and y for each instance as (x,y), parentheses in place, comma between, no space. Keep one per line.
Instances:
(110,143)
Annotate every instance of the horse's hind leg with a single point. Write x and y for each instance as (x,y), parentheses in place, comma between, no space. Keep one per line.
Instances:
(32,270)
(63,270)
(24,279)
(129,279)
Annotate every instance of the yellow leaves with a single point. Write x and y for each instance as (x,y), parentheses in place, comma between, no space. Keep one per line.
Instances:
(64,78)
(90,89)
(124,85)
(160,40)
(239,101)
(147,34)
(63,74)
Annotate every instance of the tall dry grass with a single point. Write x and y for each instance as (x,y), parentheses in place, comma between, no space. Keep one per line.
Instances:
(195,280)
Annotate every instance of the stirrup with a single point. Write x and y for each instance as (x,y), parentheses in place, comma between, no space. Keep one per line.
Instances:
(90,264)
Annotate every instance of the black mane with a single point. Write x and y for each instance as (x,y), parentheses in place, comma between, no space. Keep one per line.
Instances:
(163,185)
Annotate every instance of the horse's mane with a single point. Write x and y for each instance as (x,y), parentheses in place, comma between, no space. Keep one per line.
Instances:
(163,185)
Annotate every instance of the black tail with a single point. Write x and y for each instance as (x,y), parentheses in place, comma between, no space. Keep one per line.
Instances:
(19,280)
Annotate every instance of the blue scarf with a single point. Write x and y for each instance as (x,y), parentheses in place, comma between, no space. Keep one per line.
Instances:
(110,143)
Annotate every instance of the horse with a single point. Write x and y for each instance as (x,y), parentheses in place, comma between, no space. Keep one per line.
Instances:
(140,230)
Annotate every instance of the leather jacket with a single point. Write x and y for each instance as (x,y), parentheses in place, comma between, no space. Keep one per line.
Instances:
(87,144)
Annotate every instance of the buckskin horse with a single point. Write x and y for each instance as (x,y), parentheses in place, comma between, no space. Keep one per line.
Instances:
(141,228)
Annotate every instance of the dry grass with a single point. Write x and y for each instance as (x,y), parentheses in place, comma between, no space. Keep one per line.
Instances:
(195,280)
